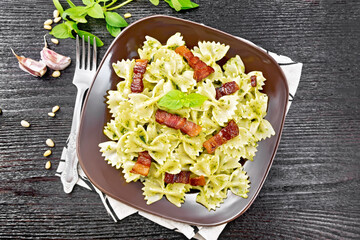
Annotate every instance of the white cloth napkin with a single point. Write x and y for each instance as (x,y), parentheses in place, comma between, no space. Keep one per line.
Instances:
(119,211)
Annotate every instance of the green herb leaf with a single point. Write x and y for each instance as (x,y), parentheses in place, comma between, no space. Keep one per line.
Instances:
(81,33)
(154,2)
(115,20)
(172,100)
(185,4)
(95,11)
(58,6)
(77,14)
(71,4)
(176,99)
(88,2)
(72,25)
(61,31)
(195,99)
(114,31)
(176,5)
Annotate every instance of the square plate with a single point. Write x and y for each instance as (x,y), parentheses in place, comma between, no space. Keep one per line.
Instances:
(95,115)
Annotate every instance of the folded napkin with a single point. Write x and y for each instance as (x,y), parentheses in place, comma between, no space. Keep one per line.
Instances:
(119,211)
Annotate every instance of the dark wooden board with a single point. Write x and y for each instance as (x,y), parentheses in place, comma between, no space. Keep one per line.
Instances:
(313,188)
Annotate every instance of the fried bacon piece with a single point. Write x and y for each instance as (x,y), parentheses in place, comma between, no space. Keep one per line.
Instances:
(225,134)
(226,89)
(177,122)
(137,85)
(201,70)
(181,177)
(143,163)
(198,181)
(253,81)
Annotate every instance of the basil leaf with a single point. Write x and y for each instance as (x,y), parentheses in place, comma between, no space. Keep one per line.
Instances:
(71,4)
(187,4)
(72,25)
(115,20)
(114,31)
(176,5)
(58,6)
(95,11)
(88,2)
(77,14)
(61,31)
(195,99)
(172,100)
(81,33)
(154,2)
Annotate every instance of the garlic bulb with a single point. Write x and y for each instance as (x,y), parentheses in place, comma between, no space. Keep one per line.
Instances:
(54,60)
(35,68)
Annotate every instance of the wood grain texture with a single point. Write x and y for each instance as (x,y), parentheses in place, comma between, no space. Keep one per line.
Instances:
(313,187)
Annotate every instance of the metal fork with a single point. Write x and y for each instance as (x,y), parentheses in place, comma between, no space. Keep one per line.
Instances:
(82,80)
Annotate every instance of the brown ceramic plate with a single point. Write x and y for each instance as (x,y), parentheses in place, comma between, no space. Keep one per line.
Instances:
(95,116)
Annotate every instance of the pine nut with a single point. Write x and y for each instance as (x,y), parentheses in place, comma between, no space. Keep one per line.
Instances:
(47,153)
(47,27)
(56,74)
(55,41)
(56,13)
(50,142)
(48,165)
(57,19)
(51,114)
(48,22)
(25,123)
(127,15)
(55,109)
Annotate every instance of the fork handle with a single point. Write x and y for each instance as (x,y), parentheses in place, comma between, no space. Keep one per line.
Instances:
(70,175)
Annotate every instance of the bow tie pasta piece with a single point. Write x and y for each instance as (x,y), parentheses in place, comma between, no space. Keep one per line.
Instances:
(227,163)
(206,164)
(234,67)
(185,161)
(175,41)
(149,48)
(192,145)
(239,183)
(108,150)
(210,52)
(260,79)
(154,189)
(211,202)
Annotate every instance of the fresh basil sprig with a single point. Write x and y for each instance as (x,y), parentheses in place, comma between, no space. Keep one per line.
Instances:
(176,99)
(100,9)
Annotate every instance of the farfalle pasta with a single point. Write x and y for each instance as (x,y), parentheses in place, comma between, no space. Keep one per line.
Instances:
(133,128)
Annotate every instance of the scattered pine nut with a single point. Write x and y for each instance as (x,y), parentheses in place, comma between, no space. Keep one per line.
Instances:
(48,165)
(56,74)
(50,142)
(25,124)
(55,109)
(47,153)
(56,13)
(51,114)
(57,19)
(127,15)
(48,22)
(55,41)
(47,27)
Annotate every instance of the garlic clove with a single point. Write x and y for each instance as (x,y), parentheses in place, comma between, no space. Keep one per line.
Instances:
(35,68)
(54,60)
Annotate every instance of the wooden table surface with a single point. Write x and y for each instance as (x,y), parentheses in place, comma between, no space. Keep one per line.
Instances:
(313,188)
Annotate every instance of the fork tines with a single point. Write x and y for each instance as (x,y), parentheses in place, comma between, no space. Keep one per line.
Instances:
(83,55)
